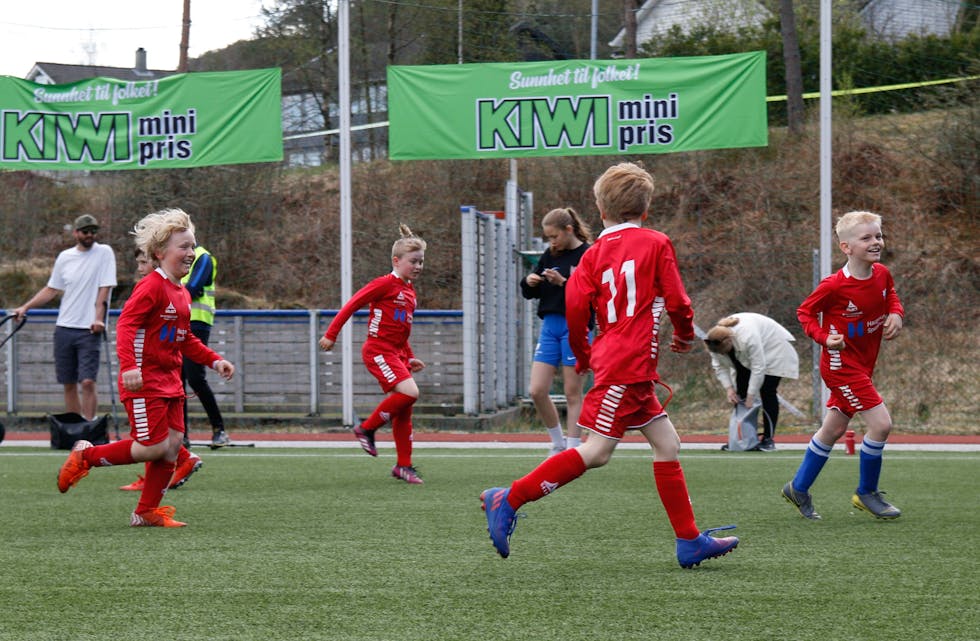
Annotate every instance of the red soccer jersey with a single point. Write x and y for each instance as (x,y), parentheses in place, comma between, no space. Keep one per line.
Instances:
(392,307)
(153,334)
(855,308)
(629,276)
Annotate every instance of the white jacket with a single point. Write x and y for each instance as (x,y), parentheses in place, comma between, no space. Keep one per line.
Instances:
(763,346)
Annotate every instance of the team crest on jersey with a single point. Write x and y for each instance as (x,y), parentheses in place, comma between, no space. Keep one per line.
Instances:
(852,311)
(170,313)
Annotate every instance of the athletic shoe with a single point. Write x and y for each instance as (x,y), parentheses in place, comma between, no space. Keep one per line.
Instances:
(135,486)
(501,518)
(875,505)
(801,500)
(690,552)
(767,445)
(157,517)
(219,439)
(406,473)
(183,472)
(74,469)
(556,449)
(366,439)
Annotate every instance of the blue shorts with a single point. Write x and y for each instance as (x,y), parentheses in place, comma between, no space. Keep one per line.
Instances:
(76,355)
(553,348)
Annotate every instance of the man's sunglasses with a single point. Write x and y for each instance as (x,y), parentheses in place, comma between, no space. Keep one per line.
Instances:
(713,342)
(89,230)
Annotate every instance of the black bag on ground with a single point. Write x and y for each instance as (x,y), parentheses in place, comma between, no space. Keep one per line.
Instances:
(69,427)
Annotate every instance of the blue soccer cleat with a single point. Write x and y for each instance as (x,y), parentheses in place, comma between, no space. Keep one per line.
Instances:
(691,552)
(501,518)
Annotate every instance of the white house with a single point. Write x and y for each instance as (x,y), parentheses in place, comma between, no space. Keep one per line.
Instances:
(656,17)
(887,19)
(896,19)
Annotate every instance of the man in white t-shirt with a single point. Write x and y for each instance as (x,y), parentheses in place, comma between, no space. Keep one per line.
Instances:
(83,276)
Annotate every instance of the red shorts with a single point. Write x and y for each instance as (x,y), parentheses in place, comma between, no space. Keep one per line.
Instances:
(389,367)
(611,410)
(858,395)
(151,419)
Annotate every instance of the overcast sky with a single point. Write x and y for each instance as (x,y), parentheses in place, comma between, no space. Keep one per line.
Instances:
(108,32)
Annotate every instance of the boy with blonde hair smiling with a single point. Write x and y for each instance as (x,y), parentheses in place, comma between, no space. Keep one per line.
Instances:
(859,307)
(152,336)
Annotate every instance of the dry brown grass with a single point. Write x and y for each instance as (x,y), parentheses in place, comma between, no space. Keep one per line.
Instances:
(744,222)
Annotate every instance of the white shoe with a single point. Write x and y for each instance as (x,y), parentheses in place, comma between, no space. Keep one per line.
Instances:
(556,449)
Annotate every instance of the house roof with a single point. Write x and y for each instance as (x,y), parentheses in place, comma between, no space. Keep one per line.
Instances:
(56,73)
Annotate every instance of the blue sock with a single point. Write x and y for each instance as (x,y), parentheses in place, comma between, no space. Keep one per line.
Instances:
(813,460)
(870,465)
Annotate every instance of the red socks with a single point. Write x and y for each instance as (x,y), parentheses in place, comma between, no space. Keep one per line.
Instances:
(547,477)
(673,494)
(158,475)
(115,453)
(393,405)
(401,430)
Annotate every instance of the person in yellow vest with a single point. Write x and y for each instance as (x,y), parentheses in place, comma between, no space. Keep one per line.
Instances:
(199,281)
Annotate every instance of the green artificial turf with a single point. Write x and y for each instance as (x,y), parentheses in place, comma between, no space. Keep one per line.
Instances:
(324,544)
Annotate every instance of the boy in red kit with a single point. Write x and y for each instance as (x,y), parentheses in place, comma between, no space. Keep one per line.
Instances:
(152,336)
(629,277)
(187,463)
(386,352)
(859,307)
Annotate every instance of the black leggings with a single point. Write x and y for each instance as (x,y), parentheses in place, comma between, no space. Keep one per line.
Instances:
(770,399)
(194,376)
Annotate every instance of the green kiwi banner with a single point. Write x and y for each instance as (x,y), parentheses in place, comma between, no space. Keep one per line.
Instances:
(184,120)
(577,107)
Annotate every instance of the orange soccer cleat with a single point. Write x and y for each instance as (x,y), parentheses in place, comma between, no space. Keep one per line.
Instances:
(74,469)
(183,472)
(158,517)
(135,486)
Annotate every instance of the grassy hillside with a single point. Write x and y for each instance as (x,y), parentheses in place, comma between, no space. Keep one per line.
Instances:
(745,224)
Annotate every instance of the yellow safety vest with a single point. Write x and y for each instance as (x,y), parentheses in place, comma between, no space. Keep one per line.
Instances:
(202,308)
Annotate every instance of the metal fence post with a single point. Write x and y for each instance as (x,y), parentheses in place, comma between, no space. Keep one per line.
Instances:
(818,387)
(314,362)
(469,257)
(239,350)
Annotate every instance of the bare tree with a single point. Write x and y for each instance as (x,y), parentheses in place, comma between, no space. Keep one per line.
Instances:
(629,24)
(185,37)
(794,74)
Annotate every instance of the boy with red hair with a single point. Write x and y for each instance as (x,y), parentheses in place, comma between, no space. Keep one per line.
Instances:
(629,277)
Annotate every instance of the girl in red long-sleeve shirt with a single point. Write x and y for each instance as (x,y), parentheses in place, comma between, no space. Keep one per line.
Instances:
(152,336)
(386,352)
